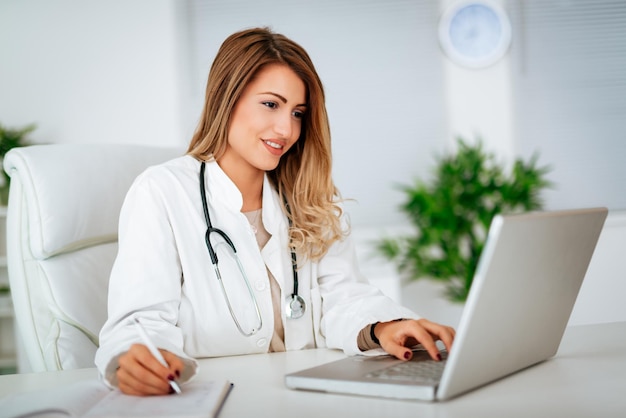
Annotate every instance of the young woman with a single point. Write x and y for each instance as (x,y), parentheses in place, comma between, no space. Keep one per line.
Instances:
(241,246)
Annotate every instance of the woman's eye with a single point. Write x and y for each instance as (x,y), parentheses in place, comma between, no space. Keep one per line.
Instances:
(298,114)
(271,105)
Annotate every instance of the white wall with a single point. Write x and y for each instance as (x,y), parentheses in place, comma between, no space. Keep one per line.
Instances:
(479,102)
(118,71)
(380,65)
(92,71)
(601,298)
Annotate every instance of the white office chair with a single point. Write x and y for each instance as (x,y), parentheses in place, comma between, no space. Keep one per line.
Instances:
(62,221)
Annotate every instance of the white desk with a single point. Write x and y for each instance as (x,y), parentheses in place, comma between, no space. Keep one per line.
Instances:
(587,378)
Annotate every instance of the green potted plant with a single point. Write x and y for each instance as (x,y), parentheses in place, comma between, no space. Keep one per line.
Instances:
(453,211)
(9,139)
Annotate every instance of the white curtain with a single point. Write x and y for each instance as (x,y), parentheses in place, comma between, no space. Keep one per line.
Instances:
(569,72)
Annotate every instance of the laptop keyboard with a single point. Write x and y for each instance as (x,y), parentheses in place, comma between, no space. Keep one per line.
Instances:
(418,371)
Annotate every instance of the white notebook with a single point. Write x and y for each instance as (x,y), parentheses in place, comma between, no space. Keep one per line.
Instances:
(94,400)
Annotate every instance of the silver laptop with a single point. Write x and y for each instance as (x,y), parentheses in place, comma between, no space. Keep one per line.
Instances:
(522,295)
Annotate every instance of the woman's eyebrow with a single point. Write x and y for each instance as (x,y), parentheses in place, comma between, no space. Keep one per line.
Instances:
(282,99)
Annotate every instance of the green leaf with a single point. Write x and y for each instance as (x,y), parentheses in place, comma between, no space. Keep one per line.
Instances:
(453,211)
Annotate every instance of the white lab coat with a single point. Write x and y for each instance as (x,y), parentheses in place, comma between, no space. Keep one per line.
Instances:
(164,275)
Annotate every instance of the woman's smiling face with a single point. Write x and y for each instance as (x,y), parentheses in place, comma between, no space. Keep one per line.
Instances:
(266,120)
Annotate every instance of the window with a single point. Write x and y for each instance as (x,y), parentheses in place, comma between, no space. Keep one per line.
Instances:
(569,72)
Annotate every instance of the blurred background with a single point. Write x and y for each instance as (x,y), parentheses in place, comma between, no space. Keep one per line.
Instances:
(134,71)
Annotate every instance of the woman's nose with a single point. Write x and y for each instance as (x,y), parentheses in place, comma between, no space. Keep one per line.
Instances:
(283,125)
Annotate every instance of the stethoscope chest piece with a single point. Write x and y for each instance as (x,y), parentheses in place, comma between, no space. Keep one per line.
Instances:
(295,307)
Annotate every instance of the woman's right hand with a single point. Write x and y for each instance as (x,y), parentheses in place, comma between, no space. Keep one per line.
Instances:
(140,373)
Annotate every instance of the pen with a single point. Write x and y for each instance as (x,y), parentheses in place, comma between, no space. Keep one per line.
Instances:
(156,353)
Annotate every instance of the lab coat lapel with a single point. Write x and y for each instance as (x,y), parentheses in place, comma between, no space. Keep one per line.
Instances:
(299,333)
(275,252)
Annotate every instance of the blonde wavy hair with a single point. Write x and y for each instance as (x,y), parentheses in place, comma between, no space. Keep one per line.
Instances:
(303,178)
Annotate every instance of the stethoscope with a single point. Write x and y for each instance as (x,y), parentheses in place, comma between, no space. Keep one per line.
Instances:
(295,306)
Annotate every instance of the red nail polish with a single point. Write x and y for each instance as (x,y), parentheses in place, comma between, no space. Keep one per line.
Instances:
(177,373)
(407,355)
(170,377)
(439,356)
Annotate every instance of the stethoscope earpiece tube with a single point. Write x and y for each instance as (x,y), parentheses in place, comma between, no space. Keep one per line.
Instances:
(294,266)
(295,305)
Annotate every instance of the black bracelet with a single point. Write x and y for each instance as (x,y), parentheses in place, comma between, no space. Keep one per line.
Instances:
(372,335)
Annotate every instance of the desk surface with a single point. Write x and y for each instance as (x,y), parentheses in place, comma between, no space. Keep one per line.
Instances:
(587,378)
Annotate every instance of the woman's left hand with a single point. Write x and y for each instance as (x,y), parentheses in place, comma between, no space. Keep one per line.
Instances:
(396,337)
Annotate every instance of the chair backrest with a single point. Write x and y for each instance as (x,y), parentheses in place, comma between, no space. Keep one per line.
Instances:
(62,221)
